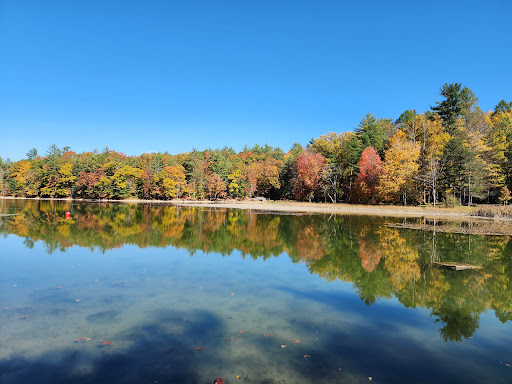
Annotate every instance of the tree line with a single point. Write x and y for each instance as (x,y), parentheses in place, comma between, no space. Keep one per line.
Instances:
(454,153)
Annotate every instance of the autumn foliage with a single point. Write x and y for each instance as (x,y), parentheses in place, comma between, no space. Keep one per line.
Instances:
(367,182)
(453,154)
(308,169)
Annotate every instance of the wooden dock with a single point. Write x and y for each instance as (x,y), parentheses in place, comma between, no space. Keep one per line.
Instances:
(457,266)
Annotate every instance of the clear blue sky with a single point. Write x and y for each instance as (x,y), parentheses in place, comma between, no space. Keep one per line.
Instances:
(143,76)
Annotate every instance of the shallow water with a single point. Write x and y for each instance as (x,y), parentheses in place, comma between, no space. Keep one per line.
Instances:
(186,295)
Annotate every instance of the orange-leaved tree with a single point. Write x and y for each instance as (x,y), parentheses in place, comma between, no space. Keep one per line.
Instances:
(215,186)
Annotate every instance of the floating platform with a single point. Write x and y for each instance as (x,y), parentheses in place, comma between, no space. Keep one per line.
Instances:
(457,266)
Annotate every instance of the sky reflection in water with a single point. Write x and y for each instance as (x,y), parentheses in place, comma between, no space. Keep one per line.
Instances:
(157,282)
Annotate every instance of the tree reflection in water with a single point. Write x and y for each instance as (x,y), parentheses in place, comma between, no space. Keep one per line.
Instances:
(380,261)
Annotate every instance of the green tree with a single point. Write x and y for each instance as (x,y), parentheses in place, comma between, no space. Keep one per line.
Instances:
(370,133)
(503,106)
(450,108)
(32,154)
(50,174)
(456,154)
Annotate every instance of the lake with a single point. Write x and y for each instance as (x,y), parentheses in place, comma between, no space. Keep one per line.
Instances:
(119,293)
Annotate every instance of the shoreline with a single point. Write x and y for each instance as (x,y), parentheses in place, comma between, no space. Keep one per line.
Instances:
(297,207)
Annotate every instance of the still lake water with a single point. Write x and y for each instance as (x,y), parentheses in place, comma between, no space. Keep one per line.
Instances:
(146,294)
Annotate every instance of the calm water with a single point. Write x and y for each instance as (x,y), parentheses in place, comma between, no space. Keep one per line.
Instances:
(146,294)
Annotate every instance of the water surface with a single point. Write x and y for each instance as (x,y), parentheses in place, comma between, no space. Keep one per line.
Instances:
(145,294)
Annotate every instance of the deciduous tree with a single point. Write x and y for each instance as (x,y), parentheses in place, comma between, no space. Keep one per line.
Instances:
(400,167)
(172,182)
(370,171)
(308,166)
(215,186)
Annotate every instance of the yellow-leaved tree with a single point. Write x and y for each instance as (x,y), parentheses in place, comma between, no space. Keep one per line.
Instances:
(236,183)
(19,172)
(172,181)
(400,168)
(65,180)
(126,182)
(432,138)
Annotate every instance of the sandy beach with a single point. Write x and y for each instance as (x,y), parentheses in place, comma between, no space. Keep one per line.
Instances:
(300,207)
(339,209)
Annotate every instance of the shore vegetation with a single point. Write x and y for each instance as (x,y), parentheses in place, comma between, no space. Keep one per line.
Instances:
(454,154)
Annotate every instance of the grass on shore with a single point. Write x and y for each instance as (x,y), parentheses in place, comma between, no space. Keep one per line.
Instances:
(493,211)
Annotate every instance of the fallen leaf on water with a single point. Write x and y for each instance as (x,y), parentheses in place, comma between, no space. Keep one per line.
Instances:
(77,300)
(340,369)
(4,308)
(232,293)
(370,378)
(228,339)
(218,380)
(238,377)
(59,287)
(106,342)
(296,341)
(24,317)
(306,357)
(283,346)
(87,338)
(199,349)
(80,339)
(240,331)
(508,365)
(267,336)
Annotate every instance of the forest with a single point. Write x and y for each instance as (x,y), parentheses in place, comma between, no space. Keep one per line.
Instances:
(453,154)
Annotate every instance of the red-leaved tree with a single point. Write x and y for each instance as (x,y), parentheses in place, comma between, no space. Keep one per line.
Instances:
(308,174)
(364,190)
